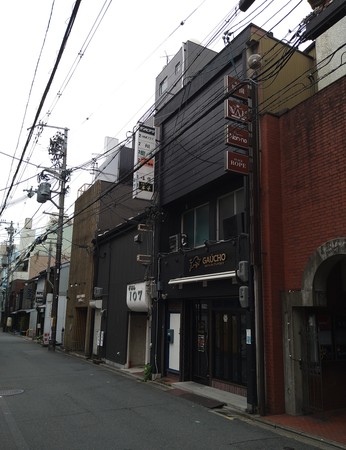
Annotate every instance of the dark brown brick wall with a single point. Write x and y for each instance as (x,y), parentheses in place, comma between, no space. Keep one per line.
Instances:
(303,205)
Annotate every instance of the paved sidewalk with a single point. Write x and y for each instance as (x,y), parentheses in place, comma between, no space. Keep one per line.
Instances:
(324,427)
(328,427)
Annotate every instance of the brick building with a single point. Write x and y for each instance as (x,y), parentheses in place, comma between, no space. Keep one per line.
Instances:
(303,253)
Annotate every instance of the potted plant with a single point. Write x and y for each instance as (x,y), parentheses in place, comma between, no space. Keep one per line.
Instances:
(148,371)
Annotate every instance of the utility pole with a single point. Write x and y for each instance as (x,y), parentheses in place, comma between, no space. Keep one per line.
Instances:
(62,191)
(10,231)
(58,152)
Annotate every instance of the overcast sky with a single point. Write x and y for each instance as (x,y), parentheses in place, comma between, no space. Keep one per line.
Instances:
(105,80)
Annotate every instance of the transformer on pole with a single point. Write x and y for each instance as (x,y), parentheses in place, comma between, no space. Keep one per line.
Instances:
(58,154)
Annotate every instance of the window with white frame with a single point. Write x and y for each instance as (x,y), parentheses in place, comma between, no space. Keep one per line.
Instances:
(163,86)
(195,224)
(229,206)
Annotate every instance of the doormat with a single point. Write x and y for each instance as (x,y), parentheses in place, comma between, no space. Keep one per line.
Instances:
(207,402)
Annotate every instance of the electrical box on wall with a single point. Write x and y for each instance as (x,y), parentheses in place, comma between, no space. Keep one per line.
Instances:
(244,296)
(243,271)
(170,336)
(144,259)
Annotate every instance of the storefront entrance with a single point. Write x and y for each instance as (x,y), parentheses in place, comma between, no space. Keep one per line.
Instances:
(200,343)
(230,347)
(324,344)
(218,342)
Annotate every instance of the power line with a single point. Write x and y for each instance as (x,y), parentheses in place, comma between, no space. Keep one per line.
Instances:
(61,51)
(31,87)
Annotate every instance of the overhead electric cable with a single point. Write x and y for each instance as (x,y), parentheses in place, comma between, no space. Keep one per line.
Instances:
(61,51)
(30,90)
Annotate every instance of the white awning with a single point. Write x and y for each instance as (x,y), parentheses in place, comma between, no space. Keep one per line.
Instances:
(27,311)
(206,277)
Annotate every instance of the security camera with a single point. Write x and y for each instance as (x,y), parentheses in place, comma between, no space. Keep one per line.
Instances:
(254,61)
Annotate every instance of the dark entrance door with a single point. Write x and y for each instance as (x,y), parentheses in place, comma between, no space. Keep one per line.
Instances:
(200,342)
(324,343)
(230,346)
(311,366)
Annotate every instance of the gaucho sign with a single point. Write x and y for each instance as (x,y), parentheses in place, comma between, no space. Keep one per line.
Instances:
(209,260)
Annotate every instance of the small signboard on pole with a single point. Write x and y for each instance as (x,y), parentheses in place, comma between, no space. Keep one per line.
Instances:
(236,162)
(238,137)
(236,87)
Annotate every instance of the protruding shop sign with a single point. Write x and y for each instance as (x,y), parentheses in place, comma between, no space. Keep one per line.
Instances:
(137,298)
(237,133)
(238,137)
(236,162)
(236,111)
(236,87)
(143,178)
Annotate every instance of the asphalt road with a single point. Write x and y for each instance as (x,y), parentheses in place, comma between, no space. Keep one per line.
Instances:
(51,400)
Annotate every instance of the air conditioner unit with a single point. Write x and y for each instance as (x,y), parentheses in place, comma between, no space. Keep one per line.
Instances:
(234,226)
(177,242)
(174,243)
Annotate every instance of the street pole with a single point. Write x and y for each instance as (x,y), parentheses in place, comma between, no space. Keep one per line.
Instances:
(10,230)
(57,268)
(257,376)
(58,152)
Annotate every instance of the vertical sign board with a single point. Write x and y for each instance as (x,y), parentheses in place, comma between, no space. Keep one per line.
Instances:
(236,87)
(237,133)
(143,178)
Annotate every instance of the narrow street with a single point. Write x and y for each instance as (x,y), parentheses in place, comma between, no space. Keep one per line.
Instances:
(51,400)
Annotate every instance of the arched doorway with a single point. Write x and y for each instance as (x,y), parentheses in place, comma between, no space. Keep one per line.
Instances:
(324,334)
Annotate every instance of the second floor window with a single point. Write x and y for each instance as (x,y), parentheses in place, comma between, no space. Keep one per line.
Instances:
(195,224)
(230,207)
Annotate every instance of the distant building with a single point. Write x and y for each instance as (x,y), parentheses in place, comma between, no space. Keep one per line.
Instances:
(184,65)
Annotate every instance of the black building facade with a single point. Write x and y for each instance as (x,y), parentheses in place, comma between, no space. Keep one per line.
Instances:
(203,245)
(122,296)
(208,169)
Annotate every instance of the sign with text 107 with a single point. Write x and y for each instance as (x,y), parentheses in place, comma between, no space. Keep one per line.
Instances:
(137,298)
